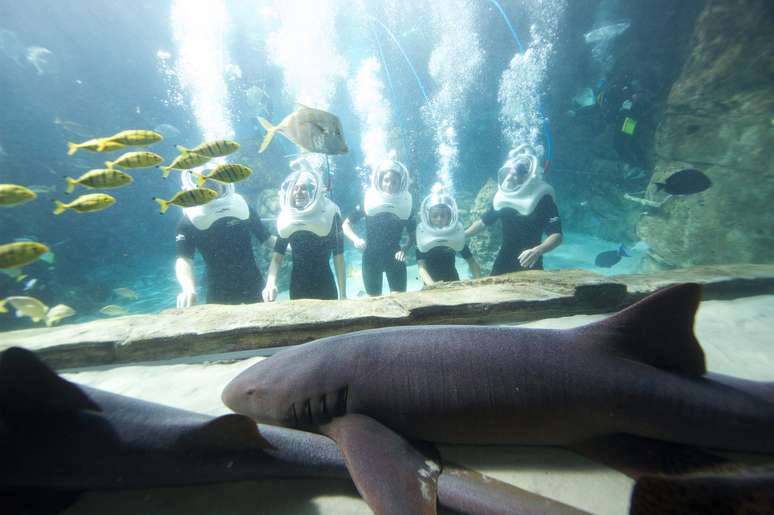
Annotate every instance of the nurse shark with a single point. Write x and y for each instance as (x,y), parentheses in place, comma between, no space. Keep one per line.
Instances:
(639,374)
(59,439)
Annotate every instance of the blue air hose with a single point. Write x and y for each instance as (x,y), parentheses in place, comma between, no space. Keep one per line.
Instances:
(546,124)
(393,96)
(408,61)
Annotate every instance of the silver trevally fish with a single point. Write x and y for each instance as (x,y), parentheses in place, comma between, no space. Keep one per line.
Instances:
(313,130)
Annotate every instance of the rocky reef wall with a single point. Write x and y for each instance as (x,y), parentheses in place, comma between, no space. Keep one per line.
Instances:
(719,118)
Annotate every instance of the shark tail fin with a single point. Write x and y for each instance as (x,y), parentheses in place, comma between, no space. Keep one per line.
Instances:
(658,330)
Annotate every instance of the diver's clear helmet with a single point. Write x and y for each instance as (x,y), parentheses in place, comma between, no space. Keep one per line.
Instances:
(301,191)
(439,212)
(515,172)
(390,166)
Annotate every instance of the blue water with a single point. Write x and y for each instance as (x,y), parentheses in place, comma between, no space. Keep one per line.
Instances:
(451,107)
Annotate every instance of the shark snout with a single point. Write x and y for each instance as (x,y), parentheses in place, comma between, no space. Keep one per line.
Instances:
(239,396)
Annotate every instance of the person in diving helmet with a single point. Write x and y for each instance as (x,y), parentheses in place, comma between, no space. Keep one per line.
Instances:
(440,236)
(221,231)
(524,204)
(311,223)
(387,211)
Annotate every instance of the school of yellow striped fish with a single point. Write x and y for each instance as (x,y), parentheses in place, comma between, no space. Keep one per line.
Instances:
(14,256)
(311,130)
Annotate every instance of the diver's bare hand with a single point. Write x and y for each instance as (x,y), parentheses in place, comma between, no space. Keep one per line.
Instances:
(400,256)
(269,293)
(360,244)
(529,257)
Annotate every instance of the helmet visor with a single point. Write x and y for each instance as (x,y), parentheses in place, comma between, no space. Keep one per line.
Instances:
(439,212)
(391,178)
(514,174)
(299,191)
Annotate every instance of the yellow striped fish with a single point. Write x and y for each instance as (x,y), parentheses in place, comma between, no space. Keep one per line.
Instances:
(114,310)
(134,137)
(20,253)
(86,203)
(99,179)
(215,148)
(228,173)
(136,160)
(13,194)
(185,162)
(94,145)
(187,198)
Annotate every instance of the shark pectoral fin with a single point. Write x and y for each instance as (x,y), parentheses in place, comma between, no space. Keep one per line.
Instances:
(391,475)
(40,501)
(228,432)
(636,456)
(28,385)
(658,330)
(467,491)
(749,490)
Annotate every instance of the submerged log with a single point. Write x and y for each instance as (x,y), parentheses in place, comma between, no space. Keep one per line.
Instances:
(518,297)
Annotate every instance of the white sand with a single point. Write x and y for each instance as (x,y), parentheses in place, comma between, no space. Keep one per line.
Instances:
(736,336)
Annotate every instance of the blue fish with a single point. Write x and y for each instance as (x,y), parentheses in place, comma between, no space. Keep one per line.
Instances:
(611,257)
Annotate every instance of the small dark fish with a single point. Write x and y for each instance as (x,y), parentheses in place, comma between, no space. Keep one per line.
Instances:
(685,182)
(610,257)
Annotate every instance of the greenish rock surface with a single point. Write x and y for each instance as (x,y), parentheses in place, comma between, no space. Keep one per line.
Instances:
(718,119)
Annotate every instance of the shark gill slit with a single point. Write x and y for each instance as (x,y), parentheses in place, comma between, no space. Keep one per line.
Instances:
(323,406)
(308,412)
(341,401)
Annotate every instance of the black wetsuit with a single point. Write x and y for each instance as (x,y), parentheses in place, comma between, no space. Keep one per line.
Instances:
(232,274)
(439,262)
(311,277)
(522,232)
(383,233)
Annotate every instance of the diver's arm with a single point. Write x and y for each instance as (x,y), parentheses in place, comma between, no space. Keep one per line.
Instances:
(349,232)
(423,273)
(269,293)
(270,241)
(475,228)
(185,277)
(475,269)
(550,243)
(341,276)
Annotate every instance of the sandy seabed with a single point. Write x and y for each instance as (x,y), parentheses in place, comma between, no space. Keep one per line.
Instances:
(735,335)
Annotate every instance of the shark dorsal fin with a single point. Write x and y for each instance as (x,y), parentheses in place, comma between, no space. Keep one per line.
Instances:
(658,330)
(230,431)
(28,385)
